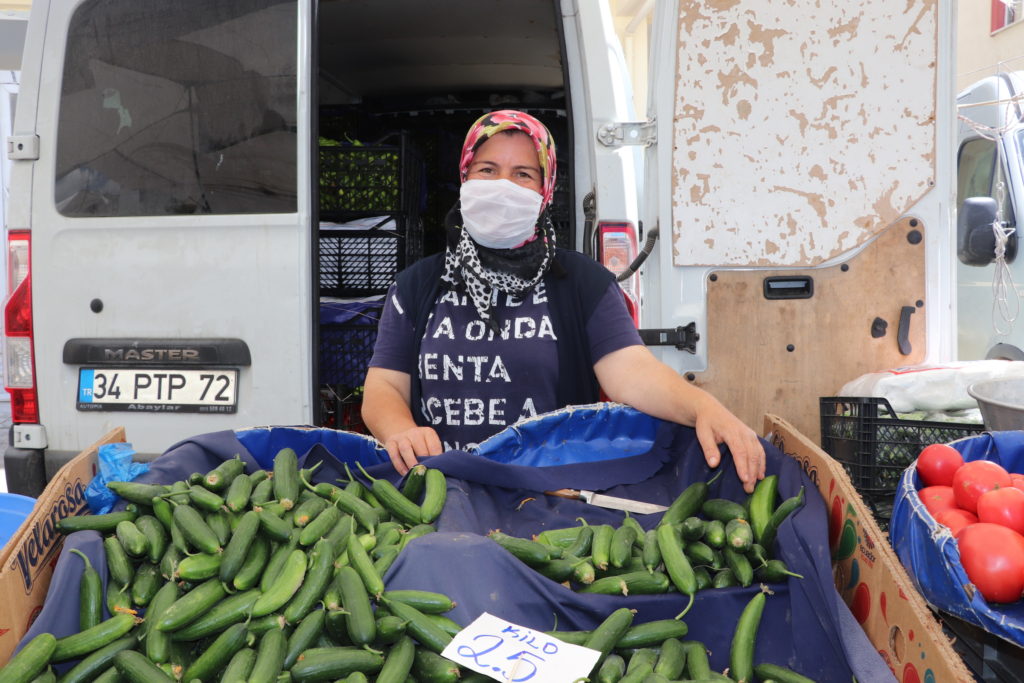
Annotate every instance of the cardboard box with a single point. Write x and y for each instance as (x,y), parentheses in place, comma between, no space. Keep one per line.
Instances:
(869,576)
(28,559)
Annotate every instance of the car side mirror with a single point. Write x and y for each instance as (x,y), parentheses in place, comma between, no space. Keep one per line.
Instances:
(976,243)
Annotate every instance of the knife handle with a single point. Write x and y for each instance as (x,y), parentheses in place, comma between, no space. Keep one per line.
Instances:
(572,494)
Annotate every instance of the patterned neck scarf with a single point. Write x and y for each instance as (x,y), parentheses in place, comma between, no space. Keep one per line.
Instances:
(516,271)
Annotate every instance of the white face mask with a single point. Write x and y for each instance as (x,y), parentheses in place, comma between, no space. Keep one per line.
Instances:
(498,213)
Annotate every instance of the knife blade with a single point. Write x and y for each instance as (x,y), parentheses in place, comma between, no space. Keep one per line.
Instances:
(610,502)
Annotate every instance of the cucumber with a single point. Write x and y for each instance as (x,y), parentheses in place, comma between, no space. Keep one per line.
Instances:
(90,595)
(240,666)
(607,634)
(118,599)
(671,658)
(399,661)
(169,562)
(94,664)
(307,510)
(687,503)
(651,633)
(136,492)
(216,656)
(640,582)
(205,499)
(700,553)
(262,492)
(529,552)
(559,569)
(560,538)
(191,605)
(427,602)
(741,652)
(146,583)
(714,534)
(651,553)
(415,483)
(157,644)
(30,661)
(269,657)
(781,674)
(414,533)
(303,636)
(360,622)
(155,533)
(237,549)
(318,575)
(394,502)
(739,535)
(430,667)
(221,476)
(277,560)
(642,659)
(389,629)
(236,498)
(333,663)
(88,641)
(785,509)
(273,527)
(118,564)
(199,567)
(284,587)
(692,529)
(232,610)
(612,669)
(740,566)
(195,530)
(387,555)
(697,663)
(580,546)
(221,522)
(621,547)
(762,503)
(429,634)
(286,477)
(676,564)
(162,511)
(320,526)
(703,577)
(600,547)
(775,571)
(723,509)
(136,668)
(362,563)
(249,573)
(724,578)
(434,495)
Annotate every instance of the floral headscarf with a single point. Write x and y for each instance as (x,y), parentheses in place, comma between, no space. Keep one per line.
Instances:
(514,271)
(493,123)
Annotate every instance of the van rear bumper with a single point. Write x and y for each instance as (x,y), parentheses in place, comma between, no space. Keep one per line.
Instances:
(29,469)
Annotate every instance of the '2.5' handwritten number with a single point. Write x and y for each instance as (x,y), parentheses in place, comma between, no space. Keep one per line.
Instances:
(523,669)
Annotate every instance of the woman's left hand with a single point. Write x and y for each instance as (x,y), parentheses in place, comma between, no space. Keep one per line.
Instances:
(716,425)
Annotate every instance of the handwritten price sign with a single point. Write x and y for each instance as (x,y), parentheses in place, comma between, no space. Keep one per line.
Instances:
(506,652)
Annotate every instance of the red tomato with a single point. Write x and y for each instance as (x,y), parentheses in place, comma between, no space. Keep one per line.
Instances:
(956,519)
(937,463)
(1003,506)
(1018,480)
(974,478)
(993,557)
(937,498)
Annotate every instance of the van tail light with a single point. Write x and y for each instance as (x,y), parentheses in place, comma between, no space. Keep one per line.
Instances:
(616,250)
(20,363)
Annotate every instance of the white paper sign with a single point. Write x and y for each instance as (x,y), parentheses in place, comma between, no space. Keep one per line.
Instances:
(507,652)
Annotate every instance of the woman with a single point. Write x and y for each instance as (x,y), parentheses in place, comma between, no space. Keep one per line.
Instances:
(503,326)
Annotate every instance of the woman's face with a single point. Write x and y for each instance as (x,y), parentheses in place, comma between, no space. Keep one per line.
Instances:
(509,156)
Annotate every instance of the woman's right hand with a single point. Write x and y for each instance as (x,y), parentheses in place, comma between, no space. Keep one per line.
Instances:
(405,448)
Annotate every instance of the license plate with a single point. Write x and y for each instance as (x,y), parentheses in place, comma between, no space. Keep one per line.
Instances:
(156,390)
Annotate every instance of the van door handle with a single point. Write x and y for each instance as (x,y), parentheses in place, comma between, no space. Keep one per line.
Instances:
(903,331)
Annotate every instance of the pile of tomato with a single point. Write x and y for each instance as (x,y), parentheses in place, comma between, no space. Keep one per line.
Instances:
(983,506)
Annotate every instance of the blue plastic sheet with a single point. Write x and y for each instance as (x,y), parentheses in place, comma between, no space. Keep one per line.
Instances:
(806,626)
(930,553)
(114,461)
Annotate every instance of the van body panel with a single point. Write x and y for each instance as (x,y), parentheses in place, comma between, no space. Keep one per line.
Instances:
(798,135)
(136,277)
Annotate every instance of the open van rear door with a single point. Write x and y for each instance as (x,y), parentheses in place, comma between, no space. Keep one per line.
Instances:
(798,194)
(167,161)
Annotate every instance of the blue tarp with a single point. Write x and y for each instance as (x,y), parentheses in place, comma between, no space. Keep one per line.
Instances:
(604,447)
(930,553)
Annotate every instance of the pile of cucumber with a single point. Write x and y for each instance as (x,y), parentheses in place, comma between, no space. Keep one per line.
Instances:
(265,577)
(698,543)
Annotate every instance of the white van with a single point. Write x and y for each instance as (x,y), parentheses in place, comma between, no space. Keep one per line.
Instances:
(990,188)
(198,185)
(191,186)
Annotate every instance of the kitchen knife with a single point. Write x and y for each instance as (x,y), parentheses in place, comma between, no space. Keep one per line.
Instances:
(612,502)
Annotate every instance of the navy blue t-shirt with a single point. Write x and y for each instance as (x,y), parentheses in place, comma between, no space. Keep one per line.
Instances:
(475,382)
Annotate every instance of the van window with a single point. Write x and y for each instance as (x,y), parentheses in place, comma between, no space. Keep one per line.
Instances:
(174,107)
(978,175)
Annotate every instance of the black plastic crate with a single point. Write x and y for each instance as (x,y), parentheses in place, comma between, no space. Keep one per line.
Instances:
(357,263)
(988,657)
(345,351)
(875,446)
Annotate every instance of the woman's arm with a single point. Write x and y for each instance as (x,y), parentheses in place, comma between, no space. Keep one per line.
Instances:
(632,375)
(387,415)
